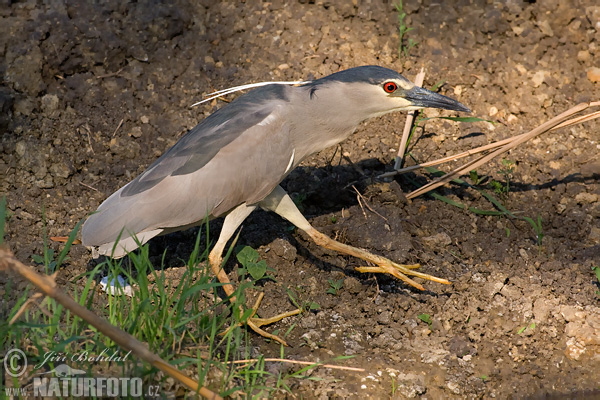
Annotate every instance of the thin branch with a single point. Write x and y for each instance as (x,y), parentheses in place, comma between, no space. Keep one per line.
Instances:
(117,128)
(283,360)
(367,204)
(88,186)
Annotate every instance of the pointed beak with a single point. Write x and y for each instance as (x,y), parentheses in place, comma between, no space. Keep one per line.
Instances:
(420,97)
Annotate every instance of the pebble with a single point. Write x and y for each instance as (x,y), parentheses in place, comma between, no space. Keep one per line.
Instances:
(593,74)
(538,78)
(586,198)
(583,56)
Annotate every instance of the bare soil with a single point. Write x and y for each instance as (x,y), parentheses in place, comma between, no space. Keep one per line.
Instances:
(91,94)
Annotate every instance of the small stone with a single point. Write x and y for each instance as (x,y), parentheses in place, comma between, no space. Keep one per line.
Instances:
(136,132)
(517,30)
(60,170)
(49,103)
(493,111)
(574,349)
(385,318)
(545,28)
(583,56)
(586,198)
(20,148)
(523,254)
(538,78)
(441,239)
(594,236)
(209,60)
(593,74)
(144,119)
(283,67)
(593,14)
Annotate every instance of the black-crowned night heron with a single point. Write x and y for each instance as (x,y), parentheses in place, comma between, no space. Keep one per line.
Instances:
(233,161)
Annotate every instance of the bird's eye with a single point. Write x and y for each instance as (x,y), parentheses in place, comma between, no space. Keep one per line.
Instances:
(390,87)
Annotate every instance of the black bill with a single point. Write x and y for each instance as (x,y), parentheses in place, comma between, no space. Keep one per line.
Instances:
(421,97)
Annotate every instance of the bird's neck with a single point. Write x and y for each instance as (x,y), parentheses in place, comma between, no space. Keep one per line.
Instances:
(316,129)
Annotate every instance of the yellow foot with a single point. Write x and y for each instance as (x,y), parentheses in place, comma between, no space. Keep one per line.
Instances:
(255,323)
(401,271)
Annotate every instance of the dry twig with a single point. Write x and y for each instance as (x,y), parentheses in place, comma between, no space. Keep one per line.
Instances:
(561,120)
(283,360)
(493,150)
(360,196)
(410,119)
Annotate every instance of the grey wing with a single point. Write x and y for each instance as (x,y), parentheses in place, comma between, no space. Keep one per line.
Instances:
(245,168)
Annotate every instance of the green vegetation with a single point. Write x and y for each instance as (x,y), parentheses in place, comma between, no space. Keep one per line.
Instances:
(335,286)
(405,44)
(530,326)
(182,320)
(425,318)
(596,270)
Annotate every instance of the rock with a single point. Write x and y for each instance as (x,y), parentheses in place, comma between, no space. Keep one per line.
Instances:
(593,14)
(586,198)
(582,331)
(353,285)
(583,56)
(135,132)
(441,239)
(50,103)
(593,74)
(408,386)
(61,170)
(538,78)
(542,308)
(461,347)
(385,318)
(282,248)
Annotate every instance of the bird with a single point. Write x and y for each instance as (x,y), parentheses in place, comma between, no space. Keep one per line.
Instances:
(234,160)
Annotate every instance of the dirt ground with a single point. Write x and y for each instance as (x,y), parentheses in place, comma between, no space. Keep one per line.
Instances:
(91,94)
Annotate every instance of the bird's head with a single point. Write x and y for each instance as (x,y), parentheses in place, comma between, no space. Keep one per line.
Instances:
(370,91)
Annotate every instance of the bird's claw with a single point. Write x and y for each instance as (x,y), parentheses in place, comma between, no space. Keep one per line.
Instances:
(401,271)
(255,323)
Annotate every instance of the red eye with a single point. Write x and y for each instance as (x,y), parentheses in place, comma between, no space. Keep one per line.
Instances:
(390,87)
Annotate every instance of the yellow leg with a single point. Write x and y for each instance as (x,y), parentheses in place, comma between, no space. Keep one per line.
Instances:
(279,202)
(215,259)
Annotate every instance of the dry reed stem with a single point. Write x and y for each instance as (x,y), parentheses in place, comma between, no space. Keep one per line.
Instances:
(410,118)
(283,360)
(47,285)
(508,144)
(491,146)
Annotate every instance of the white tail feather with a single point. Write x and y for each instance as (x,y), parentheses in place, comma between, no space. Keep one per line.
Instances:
(220,93)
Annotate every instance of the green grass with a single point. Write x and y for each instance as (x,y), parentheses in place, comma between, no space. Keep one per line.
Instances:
(405,43)
(180,320)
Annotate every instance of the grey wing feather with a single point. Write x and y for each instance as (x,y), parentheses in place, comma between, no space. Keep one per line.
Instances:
(203,175)
(197,147)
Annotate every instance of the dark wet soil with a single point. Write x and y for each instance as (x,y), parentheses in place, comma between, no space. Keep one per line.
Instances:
(91,94)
